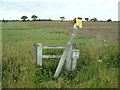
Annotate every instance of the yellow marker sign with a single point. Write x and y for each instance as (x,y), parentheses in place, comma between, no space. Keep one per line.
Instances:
(78,22)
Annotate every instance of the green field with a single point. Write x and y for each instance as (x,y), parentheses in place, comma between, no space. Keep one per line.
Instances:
(19,68)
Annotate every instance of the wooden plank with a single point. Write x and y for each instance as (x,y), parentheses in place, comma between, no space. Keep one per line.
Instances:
(76,53)
(74,61)
(53,47)
(39,54)
(68,60)
(75,56)
(63,58)
(51,56)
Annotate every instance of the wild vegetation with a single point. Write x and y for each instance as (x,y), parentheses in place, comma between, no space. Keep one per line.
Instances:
(97,66)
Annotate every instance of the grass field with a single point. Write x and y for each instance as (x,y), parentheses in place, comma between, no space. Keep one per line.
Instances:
(97,66)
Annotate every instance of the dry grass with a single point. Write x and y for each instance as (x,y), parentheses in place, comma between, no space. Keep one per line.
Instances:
(106,30)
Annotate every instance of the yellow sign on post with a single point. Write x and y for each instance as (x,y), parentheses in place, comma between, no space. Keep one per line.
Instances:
(78,22)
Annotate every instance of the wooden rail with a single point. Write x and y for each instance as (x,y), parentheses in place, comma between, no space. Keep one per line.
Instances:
(71,59)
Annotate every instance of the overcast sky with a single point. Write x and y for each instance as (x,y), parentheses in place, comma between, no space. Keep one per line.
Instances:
(53,9)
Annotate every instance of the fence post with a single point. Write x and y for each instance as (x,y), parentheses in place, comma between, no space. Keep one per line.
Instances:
(39,54)
(64,56)
(35,51)
(75,56)
(68,60)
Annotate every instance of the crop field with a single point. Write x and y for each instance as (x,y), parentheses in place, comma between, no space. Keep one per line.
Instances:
(97,66)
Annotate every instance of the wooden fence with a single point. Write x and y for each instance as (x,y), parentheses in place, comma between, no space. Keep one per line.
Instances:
(71,59)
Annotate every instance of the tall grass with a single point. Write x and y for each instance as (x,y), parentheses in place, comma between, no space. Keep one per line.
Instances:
(97,66)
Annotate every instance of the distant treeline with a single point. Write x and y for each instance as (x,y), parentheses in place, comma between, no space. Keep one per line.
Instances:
(34,18)
(50,20)
(25,20)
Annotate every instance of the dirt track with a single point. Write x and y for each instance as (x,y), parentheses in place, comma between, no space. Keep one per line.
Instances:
(106,30)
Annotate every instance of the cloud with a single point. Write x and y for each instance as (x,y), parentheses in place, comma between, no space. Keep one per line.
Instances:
(56,8)
(67,1)
(28,1)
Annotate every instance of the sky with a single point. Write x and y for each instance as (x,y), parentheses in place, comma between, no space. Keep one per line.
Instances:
(53,9)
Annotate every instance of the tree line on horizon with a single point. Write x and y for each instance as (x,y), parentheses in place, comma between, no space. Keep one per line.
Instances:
(34,18)
(62,18)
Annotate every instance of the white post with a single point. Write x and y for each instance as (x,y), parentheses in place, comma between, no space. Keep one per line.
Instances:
(75,57)
(65,53)
(39,54)
(68,60)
